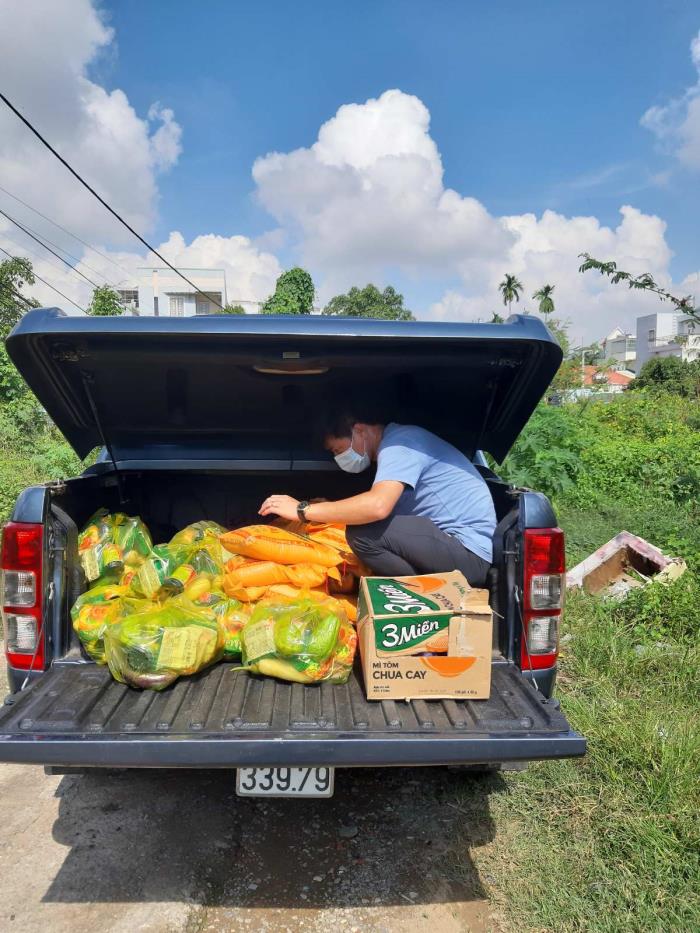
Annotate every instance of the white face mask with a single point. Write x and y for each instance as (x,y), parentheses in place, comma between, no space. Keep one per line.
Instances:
(351,461)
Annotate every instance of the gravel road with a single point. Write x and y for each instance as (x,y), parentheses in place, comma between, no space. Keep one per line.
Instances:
(179,851)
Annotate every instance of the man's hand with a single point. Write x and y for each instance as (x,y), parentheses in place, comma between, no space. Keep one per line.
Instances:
(284,506)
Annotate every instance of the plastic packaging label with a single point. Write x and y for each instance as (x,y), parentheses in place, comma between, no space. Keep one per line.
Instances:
(181,648)
(259,641)
(91,564)
(148,578)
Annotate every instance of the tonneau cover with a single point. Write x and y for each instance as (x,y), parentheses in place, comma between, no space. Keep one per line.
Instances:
(77,715)
(252,387)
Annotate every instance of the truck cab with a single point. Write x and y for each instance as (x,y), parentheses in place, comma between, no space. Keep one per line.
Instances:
(203,417)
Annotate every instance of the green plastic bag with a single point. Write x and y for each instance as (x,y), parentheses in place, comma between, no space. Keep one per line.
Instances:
(303,641)
(109,544)
(153,647)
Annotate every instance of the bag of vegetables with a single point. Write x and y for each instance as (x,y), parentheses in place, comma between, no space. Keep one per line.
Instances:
(297,641)
(95,610)
(204,535)
(231,616)
(174,569)
(155,646)
(111,543)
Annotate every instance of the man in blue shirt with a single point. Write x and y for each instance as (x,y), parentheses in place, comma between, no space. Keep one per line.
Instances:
(428,509)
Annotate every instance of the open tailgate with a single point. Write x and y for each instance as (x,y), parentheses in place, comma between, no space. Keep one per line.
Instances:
(76,714)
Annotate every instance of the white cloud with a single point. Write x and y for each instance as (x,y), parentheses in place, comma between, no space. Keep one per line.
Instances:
(250,271)
(546,251)
(367,199)
(676,124)
(369,193)
(46,53)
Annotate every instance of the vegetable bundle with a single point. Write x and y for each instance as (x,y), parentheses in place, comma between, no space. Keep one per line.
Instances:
(161,642)
(302,641)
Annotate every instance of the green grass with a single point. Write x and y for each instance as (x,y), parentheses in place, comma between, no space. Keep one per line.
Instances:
(611,842)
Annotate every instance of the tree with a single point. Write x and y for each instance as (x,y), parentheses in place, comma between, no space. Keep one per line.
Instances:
(294,294)
(369,302)
(497,319)
(15,273)
(510,288)
(232,309)
(546,302)
(670,374)
(643,282)
(105,302)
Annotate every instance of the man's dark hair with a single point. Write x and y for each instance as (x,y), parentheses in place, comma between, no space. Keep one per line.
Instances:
(340,423)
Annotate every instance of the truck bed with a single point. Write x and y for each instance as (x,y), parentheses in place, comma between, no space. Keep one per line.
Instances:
(76,714)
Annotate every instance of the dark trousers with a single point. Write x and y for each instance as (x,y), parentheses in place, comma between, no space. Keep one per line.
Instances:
(406,545)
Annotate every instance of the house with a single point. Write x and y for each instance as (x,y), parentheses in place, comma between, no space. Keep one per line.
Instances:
(667,333)
(621,347)
(611,380)
(162,292)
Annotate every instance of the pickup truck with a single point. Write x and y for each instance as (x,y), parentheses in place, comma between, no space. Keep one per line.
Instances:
(202,417)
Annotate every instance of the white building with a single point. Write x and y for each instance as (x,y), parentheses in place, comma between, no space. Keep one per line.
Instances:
(667,333)
(621,347)
(162,292)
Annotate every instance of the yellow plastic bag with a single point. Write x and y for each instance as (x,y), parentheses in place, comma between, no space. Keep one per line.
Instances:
(344,604)
(266,542)
(94,611)
(153,647)
(109,543)
(303,641)
(231,615)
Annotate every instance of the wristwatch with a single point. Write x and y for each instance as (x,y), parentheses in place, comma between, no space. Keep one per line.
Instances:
(301,510)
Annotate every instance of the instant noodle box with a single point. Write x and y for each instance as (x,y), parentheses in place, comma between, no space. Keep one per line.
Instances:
(425,637)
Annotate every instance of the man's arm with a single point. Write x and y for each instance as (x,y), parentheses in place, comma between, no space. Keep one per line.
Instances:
(372,506)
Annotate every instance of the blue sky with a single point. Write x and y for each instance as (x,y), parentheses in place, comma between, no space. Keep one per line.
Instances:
(533,105)
(432,146)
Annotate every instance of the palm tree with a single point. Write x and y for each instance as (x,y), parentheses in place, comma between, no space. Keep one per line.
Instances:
(544,296)
(510,288)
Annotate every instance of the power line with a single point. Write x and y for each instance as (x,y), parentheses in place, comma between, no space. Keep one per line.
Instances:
(31,251)
(69,232)
(48,284)
(48,248)
(44,239)
(102,200)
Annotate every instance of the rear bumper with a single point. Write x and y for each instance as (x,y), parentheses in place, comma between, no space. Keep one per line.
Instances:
(286,750)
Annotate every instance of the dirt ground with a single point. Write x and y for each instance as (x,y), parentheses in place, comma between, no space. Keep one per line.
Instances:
(171,851)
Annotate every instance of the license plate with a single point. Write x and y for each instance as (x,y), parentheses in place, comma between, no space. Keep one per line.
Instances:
(285,782)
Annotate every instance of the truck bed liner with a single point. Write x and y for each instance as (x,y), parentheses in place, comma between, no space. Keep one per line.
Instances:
(77,715)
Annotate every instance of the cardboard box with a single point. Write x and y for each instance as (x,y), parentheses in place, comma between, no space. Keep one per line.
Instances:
(426,637)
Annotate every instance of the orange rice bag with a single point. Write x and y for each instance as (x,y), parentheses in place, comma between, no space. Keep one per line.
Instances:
(266,542)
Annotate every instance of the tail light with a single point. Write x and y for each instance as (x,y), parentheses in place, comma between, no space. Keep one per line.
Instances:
(543,597)
(22,594)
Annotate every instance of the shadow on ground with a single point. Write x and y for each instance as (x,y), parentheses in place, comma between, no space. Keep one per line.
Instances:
(168,836)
